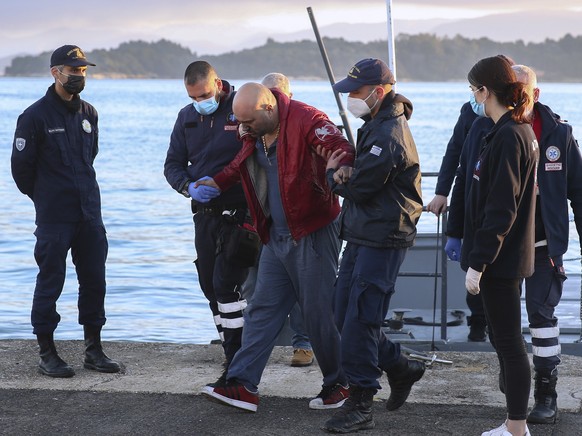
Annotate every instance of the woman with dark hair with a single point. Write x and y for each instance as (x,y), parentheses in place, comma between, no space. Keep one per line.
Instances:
(498,240)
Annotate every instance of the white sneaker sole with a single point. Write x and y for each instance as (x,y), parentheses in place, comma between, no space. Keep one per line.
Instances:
(317,404)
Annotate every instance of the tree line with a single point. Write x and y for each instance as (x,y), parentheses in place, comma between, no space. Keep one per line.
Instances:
(422,57)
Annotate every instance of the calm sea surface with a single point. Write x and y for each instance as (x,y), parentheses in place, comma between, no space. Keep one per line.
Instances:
(153,292)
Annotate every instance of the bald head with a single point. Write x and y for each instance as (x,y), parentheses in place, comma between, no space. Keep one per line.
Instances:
(279,81)
(255,106)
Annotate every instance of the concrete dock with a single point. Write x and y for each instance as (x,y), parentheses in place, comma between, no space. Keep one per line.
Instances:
(157,393)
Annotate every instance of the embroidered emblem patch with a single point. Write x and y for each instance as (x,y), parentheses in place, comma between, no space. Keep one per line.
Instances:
(231,119)
(86,126)
(20,143)
(326,130)
(553,166)
(553,153)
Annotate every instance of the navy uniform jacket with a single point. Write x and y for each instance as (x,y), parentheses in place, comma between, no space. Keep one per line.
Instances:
(52,160)
(382,198)
(500,212)
(469,155)
(451,158)
(202,145)
(559,179)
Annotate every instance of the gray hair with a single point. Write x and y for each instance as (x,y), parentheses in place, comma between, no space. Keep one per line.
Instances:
(279,81)
(526,75)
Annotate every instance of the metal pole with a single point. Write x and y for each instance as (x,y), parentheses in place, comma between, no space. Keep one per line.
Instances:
(338,99)
(391,52)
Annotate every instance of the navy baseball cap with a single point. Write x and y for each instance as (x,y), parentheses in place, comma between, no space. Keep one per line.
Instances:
(368,71)
(69,55)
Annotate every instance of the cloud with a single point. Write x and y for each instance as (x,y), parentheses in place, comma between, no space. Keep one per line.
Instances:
(33,26)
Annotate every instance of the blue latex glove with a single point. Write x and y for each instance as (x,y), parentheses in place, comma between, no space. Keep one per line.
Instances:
(203,193)
(453,249)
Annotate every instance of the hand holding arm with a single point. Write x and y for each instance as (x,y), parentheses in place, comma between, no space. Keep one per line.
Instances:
(203,190)
(324,153)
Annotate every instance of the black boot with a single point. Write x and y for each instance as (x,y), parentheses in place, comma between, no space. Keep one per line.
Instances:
(477,326)
(50,363)
(355,414)
(545,410)
(95,358)
(401,377)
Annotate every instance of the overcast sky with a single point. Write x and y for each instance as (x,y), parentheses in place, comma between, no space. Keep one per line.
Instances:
(207,27)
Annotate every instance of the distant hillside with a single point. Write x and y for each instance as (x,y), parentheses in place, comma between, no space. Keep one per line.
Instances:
(422,57)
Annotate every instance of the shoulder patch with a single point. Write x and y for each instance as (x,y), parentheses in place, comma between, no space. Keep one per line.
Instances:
(20,143)
(328,129)
(86,125)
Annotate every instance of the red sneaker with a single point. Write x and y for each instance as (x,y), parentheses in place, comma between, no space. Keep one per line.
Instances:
(233,394)
(330,397)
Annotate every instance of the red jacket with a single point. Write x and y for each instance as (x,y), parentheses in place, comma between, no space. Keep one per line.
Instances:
(307,200)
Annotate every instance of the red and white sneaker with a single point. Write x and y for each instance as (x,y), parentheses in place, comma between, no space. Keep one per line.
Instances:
(330,397)
(233,394)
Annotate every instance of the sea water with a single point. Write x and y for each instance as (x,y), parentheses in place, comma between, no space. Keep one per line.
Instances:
(153,292)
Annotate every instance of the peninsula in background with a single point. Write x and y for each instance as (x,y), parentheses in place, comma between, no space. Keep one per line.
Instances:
(422,57)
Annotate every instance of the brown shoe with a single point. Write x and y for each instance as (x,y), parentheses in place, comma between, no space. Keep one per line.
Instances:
(302,357)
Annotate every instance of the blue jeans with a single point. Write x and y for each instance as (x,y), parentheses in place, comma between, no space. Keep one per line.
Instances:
(289,272)
(364,287)
(300,338)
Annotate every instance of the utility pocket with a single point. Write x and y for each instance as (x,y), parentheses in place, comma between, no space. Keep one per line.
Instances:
(243,246)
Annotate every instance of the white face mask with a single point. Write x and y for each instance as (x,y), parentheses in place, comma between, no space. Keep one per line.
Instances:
(358,107)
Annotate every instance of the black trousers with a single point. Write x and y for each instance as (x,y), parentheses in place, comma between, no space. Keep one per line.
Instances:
(501,299)
(220,278)
(88,244)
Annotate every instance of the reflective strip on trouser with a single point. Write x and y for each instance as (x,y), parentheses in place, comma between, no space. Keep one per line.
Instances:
(231,317)
(546,342)
(218,322)
(232,314)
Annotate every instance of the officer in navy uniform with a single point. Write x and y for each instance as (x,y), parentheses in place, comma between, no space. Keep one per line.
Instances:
(55,144)
(204,140)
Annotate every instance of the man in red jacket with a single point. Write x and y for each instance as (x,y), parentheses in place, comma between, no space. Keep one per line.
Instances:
(295,214)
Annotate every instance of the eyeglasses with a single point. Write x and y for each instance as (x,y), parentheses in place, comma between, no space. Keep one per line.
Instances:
(475,90)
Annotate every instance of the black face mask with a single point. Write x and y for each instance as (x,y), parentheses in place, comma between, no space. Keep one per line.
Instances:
(74,85)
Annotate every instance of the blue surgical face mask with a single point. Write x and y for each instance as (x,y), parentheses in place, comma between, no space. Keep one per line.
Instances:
(478,108)
(206,107)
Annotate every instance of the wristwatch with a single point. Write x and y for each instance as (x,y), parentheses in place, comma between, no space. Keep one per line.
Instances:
(184,188)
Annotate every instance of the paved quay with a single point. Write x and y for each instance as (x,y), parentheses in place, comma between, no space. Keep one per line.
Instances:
(157,393)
